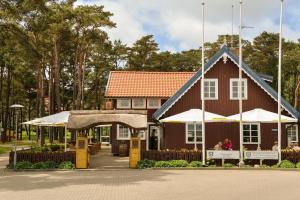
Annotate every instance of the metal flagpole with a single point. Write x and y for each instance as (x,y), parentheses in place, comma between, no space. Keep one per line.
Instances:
(232,10)
(279,83)
(240,85)
(202,91)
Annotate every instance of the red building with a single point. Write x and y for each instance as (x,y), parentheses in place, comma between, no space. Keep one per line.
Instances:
(164,94)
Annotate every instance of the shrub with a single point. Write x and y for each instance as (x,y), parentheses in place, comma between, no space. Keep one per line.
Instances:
(51,165)
(39,165)
(23,165)
(54,147)
(178,163)
(195,164)
(298,165)
(45,149)
(287,164)
(143,164)
(66,165)
(228,165)
(162,164)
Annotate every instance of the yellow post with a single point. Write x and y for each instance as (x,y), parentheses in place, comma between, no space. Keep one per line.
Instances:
(135,152)
(82,156)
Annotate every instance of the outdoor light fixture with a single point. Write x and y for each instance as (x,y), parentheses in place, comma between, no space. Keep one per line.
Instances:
(16,107)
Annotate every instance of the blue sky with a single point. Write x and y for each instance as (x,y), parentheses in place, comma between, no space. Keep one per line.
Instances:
(176,24)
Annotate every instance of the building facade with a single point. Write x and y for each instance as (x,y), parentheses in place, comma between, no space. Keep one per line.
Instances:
(164,94)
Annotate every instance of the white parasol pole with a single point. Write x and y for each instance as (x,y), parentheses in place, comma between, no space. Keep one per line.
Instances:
(66,137)
(202,91)
(279,83)
(240,84)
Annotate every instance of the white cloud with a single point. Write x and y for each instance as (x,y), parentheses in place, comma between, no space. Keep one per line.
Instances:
(179,22)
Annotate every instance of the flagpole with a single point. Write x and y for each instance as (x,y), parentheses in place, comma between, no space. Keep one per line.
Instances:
(240,85)
(279,82)
(202,91)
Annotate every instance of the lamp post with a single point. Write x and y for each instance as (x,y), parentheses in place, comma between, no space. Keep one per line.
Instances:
(15,107)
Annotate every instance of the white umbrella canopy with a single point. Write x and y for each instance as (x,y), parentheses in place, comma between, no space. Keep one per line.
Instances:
(194,115)
(261,115)
(58,119)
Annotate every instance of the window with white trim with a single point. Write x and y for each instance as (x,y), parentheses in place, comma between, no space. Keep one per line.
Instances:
(153,103)
(234,88)
(251,133)
(211,89)
(292,133)
(123,132)
(190,133)
(123,103)
(138,103)
(142,134)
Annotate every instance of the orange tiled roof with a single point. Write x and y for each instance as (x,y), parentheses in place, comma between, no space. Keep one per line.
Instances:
(145,84)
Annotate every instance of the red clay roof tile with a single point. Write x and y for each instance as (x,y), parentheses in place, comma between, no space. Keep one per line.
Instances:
(145,84)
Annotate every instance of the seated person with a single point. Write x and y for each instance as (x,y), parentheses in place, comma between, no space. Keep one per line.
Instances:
(227,145)
(275,146)
(218,147)
(296,147)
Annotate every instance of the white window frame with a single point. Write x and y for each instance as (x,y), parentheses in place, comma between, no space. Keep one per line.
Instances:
(159,103)
(250,133)
(122,107)
(216,89)
(287,131)
(186,134)
(245,90)
(118,133)
(139,107)
(144,136)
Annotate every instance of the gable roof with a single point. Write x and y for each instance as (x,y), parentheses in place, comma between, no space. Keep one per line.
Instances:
(145,84)
(224,51)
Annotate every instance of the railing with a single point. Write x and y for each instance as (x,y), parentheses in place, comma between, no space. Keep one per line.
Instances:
(35,157)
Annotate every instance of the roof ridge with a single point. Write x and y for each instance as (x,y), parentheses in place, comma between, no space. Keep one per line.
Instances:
(153,72)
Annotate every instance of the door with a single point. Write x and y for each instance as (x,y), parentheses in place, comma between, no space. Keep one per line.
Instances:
(105,134)
(154,140)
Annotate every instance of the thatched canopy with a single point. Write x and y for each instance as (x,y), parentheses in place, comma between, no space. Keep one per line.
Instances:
(83,119)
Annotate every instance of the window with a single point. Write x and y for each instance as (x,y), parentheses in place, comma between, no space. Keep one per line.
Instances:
(123,103)
(234,89)
(251,133)
(138,103)
(211,89)
(190,133)
(123,132)
(142,134)
(292,133)
(153,103)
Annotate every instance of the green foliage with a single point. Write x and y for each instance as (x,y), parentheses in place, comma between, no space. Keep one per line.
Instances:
(39,165)
(298,165)
(287,164)
(54,147)
(66,165)
(228,165)
(23,165)
(179,163)
(143,164)
(195,164)
(51,165)
(162,164)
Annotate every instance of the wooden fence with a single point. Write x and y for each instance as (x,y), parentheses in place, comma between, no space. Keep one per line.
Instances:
(94,148)
(35,157)
(189,155)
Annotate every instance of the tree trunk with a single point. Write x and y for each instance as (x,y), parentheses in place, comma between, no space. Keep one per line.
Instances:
(56,77)
(297,92)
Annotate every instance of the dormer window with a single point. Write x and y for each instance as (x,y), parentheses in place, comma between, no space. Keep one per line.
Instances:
(124,103)
(234,89)
(138,103)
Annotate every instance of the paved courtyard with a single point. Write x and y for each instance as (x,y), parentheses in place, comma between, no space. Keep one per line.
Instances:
(150,184)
